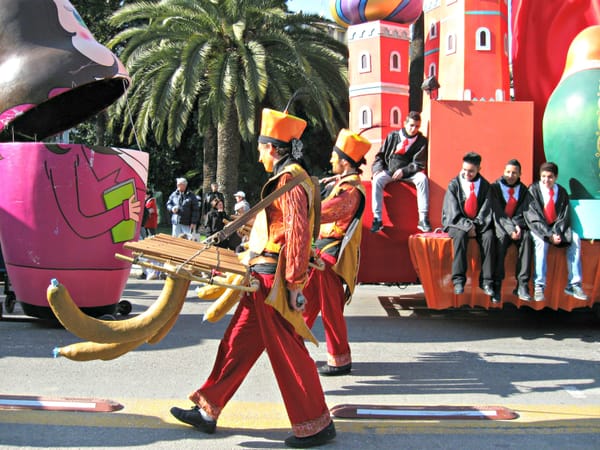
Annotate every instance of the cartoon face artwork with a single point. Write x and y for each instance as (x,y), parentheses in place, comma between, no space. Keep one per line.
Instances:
(65,210)
(82,38)
(54,74)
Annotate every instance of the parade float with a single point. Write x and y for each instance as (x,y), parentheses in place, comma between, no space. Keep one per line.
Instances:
(469,106)
(65,209)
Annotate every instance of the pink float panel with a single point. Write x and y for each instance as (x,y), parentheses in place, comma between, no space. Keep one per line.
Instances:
(64,213)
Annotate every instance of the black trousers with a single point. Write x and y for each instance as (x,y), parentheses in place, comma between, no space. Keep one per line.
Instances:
(524,258)
(487,249)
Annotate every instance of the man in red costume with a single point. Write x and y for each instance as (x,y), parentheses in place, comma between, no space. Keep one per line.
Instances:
(338,245)
(271,318)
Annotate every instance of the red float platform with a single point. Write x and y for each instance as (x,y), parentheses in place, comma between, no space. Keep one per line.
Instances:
(384,256)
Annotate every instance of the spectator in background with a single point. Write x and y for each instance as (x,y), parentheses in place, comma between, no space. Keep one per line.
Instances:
(241,204)
(210,196)
(216,216)
(150,219)
(184,209)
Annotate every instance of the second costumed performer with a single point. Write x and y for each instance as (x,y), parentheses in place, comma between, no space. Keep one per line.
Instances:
(338,245)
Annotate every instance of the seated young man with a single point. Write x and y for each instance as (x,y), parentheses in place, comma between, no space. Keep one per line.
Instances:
(549,219)
(402,157)
(467,213)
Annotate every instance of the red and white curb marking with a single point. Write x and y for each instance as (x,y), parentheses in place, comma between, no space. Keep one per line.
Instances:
(423,412)
(58,404)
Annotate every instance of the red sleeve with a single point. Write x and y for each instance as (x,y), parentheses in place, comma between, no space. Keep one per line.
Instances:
(294,208)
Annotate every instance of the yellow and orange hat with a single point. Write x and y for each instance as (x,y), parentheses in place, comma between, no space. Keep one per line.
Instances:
(352,146)
(280,128)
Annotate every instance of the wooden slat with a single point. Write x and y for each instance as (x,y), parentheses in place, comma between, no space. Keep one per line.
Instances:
(194,256)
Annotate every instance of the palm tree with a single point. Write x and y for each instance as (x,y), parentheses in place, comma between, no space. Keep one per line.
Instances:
(226,59)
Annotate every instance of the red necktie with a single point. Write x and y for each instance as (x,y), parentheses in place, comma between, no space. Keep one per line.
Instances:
(550,209)
(471,203)
(403,148)
(511,204)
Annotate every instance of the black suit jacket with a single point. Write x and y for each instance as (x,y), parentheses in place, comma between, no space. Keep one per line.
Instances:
(536,221)
(453,212)
(505,225)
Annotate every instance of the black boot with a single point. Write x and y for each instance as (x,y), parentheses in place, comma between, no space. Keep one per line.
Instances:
(330,371)
(194,418)
(322,437)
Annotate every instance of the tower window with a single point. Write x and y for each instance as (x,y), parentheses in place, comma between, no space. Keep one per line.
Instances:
(395,65)
(365,117)
(483,39)
(364,62)
(395,117)
(451,43)
(432,71)
(433,33)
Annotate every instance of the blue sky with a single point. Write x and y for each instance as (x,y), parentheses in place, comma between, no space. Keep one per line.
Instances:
(310,6)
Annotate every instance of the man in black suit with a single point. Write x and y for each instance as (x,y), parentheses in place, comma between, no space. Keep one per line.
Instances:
(509,201)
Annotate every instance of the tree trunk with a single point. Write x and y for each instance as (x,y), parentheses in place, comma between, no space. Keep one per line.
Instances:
(228,156)
(417,61)
(209,165)
(101,121)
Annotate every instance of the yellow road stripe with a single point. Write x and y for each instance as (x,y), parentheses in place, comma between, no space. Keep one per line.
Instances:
(149,413)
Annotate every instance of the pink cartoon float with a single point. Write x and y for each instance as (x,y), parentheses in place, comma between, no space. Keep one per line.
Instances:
(65,209)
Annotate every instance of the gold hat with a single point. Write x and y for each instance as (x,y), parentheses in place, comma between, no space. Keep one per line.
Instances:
(352,145)
(279,128)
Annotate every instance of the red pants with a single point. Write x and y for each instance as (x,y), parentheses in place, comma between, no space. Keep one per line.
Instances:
(255,327)
(324,292)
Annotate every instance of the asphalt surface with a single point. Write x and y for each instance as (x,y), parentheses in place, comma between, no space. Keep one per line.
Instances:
(543,366)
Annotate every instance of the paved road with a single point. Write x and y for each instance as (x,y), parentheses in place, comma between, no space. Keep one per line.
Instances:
(542,365)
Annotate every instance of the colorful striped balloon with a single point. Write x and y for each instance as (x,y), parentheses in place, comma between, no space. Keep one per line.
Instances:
(353,12)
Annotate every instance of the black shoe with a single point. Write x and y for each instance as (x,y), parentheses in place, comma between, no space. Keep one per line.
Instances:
(497,296)
(141,276)
(322,437)
(459,288)
(522,291)
(376,226)
(424,226)
(330,371)
(194,418)
(488,289)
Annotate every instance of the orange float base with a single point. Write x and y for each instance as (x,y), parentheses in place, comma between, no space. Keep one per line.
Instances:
(431,254)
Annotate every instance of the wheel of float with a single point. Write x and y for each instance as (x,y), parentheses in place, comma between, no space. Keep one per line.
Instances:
(107,317)
(596,310)
(9,302)
(124,307)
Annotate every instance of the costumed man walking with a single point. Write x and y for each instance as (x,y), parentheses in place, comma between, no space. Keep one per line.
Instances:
(338,245)
(271,318)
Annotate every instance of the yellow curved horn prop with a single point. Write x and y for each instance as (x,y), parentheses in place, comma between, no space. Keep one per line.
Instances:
(225,302)
(89,351)
(139,328)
